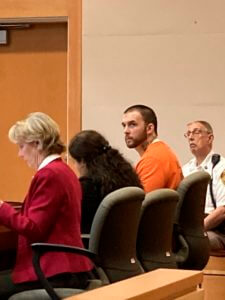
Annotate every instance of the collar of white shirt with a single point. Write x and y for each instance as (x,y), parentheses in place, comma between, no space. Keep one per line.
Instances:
(48,159)
(206,161)
(191,166)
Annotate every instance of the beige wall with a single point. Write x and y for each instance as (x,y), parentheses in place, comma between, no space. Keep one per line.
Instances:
(167,54)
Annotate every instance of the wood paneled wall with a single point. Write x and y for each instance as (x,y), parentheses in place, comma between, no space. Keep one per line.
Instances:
(40,71)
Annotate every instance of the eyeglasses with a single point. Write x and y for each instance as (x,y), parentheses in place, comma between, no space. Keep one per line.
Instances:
(195,132)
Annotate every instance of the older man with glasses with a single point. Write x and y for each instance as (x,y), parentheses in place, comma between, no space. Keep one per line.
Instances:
(200,138)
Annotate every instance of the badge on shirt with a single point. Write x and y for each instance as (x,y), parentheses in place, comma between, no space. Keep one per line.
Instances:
(222,176)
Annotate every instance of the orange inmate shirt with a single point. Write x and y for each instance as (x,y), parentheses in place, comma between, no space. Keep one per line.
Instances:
(159,167)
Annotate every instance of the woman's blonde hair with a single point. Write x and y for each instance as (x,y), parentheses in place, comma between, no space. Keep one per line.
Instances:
(38,127)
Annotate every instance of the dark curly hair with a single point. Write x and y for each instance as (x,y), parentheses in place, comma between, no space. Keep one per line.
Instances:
(105,165)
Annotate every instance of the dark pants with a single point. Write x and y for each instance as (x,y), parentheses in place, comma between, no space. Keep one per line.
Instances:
(216,240)
(67,280)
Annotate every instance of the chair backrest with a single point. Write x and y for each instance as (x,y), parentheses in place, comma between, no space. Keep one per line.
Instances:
(114,232)
(189,220)
(154,241)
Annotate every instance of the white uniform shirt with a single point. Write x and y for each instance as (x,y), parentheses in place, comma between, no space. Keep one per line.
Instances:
(218,179)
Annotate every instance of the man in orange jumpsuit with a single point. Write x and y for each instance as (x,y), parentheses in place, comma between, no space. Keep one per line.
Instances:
(158,166)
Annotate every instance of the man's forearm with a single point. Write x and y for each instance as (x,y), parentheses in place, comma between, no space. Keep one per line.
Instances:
(215,218)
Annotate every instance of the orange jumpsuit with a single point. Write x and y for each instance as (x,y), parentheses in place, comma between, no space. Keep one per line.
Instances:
(159,167)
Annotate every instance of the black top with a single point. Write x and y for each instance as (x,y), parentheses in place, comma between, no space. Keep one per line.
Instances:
(90,202)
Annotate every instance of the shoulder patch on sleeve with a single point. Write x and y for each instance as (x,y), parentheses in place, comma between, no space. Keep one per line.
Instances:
(222,176)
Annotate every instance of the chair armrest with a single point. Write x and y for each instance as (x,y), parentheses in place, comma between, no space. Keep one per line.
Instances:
(40,248)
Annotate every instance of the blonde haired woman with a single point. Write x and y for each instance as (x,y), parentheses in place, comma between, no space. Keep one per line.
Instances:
(51,210)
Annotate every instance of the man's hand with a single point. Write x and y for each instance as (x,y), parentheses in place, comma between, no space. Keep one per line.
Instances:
(215,218)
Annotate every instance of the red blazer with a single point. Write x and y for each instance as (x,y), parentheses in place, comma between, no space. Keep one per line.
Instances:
(51,213)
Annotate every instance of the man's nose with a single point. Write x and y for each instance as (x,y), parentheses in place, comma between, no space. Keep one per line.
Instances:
(191,137)
(126,129)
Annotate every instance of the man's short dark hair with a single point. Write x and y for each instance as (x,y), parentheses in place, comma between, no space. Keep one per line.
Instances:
(146,112)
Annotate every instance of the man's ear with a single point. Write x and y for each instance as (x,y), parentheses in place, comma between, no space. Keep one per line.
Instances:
(150,128)
(211,138)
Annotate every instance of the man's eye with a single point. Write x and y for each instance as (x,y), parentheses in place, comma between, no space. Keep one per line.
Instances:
(197,131)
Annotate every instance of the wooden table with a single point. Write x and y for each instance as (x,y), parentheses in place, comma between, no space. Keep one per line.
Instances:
(161,284)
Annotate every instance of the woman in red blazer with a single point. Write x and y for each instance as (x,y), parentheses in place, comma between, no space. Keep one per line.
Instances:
(50,213)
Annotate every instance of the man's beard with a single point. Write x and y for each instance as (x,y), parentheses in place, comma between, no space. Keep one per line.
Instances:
(133,143)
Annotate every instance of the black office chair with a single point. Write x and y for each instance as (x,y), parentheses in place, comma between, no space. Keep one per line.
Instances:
(154,242)
(112,244)
(114,233)
(191,243)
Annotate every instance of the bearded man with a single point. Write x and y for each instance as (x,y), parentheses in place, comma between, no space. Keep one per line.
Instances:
(158,166)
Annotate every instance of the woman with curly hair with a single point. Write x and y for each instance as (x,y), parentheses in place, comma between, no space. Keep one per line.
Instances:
(102,170)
